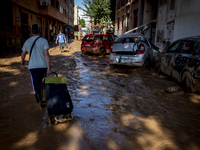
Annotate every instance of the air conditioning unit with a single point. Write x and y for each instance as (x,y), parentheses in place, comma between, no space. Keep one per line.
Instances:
(43,2)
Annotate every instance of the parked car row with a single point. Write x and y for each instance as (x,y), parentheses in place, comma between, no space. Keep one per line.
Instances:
(181,59)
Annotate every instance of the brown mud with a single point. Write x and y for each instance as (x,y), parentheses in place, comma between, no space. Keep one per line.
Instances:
(114,107)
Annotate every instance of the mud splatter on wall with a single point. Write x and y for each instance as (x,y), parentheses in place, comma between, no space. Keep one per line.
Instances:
(170,32)
(160,36)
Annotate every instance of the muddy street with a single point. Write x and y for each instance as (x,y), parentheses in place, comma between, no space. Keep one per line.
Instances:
(114,107)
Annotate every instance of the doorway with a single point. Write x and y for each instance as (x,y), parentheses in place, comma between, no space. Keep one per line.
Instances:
(25,33)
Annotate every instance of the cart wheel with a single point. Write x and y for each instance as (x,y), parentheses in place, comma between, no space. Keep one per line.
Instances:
(53,121)
(102,52)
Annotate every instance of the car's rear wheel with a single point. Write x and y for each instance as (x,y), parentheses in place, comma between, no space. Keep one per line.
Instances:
(189,82)
(146,63)
(102,51)
(83,53)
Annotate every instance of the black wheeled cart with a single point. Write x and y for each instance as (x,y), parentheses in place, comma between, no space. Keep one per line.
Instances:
(59,103)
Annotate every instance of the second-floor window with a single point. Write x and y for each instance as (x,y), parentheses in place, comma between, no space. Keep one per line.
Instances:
(172,4)
(52,2)
(61,9)
(57,5)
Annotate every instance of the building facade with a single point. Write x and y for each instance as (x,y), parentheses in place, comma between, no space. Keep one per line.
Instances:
(51,15)
(132,14)
(164,20)
(177,19)
(76,17)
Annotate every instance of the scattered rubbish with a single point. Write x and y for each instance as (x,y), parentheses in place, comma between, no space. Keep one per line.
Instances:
(139,98)
(172,89)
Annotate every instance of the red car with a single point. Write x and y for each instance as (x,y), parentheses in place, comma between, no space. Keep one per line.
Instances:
(97,43)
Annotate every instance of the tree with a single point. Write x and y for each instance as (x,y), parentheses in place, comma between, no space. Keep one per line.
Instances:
(82,22)
(97,10)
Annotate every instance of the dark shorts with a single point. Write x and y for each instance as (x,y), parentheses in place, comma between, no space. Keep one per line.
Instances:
(61,45)
(36,76)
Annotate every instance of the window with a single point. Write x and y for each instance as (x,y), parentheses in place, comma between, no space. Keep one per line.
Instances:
(162,2)
(127,20)
(61,9)
(89,38)
(118,23)
(52,2)
(126,40)
(186,46)
(172,4)
(122,22)
(174,47)
(57,5)
(107,38)
(135,18)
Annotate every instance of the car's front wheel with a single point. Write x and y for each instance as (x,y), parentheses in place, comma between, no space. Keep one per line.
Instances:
(189,82)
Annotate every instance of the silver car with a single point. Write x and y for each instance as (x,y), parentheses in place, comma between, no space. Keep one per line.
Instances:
(133,50)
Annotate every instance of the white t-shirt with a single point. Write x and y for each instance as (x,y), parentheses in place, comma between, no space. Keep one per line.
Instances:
(38,55)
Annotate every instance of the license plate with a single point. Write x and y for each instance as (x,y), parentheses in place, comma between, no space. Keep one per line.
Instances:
(123,60)
(126,60)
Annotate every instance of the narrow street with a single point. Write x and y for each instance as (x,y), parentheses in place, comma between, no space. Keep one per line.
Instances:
(115,108)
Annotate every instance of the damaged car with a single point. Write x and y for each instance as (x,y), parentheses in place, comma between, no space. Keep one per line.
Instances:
(181,60)
(133,49)
(97,43)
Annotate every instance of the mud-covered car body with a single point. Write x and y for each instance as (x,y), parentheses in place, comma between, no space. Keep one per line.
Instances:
(181,60)
(97,43)
(133,50)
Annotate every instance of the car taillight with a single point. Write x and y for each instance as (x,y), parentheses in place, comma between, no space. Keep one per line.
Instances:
(142,49)
(111,49)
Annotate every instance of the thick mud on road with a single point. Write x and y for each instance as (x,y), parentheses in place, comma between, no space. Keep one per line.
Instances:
(114,108)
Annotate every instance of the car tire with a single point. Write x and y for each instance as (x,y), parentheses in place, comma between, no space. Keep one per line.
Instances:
(146,63)
(102,51)
(188,82)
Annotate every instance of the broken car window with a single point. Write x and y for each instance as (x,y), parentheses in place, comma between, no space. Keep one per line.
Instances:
(173,48)
(186,46)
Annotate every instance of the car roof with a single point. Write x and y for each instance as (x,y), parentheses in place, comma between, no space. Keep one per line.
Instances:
(97,34)
(191,37)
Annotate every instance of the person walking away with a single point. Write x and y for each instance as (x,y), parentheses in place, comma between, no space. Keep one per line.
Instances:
(39,60)
(61,40)
(67,39)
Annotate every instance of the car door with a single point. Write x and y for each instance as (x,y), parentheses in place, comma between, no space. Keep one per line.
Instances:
(168,58)
(107,42)
(184,60)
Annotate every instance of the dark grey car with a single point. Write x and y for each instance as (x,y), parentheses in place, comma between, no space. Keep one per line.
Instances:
(181,60)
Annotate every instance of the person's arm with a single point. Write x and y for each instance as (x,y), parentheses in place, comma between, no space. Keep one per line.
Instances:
(56,40)
(23,56)
(48,60)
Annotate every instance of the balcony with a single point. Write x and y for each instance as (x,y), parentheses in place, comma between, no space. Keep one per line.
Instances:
(122,3)
(53,13)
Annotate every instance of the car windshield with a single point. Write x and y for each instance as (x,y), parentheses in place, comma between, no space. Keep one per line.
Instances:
(89,38)
(125,40)
(84,30)
(96,28)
